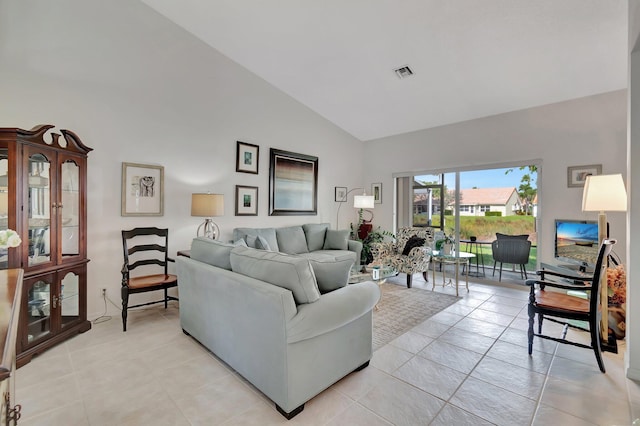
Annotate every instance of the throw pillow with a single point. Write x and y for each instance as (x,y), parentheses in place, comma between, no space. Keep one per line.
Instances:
(412,242)
(332,271)
(336,239)
(262,244)
(240,242)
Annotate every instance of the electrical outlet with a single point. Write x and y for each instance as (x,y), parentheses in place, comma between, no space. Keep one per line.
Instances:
(104,292)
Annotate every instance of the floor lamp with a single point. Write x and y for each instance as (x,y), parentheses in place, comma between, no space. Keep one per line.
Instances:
(604,192)
(363,201)
(207,206)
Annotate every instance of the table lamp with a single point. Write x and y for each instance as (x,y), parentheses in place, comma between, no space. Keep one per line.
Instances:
(604,192)
(207,205)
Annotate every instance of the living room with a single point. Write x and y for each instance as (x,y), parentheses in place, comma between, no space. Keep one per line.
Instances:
(137,87)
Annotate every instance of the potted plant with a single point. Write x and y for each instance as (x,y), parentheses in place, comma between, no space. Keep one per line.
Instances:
(376,235)
(445,245)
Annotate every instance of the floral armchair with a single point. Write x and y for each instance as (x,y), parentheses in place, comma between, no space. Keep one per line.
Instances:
(416,260)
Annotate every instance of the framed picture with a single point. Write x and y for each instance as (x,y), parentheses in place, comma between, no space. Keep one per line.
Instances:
(293,183)
(376,190)
(142,190)
(577,175)
(246,200)
(340,194)
(247,157)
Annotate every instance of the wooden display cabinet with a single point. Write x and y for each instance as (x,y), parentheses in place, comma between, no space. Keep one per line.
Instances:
(43,187)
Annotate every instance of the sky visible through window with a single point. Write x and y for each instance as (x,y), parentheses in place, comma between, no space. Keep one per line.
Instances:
(491,178)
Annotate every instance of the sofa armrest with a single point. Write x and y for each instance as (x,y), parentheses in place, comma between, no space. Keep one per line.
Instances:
(332,311)
(356,247)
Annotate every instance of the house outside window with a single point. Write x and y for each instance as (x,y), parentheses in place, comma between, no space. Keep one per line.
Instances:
(485,208)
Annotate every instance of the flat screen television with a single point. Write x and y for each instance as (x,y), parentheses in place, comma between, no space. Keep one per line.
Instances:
(577,242)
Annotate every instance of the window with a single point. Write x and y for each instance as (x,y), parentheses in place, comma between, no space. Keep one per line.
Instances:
(485,208)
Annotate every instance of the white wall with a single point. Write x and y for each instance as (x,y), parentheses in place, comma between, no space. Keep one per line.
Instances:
(589,130)
(137,88)
(632,356)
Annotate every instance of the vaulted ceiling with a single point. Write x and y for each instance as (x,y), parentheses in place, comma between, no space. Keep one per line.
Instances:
(470,58)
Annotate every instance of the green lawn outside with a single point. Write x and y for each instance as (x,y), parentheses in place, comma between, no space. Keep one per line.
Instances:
(484,228)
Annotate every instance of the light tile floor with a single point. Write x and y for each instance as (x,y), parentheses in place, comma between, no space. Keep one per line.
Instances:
(467,365)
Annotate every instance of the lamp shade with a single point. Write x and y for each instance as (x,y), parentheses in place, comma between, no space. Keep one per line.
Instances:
(207,205)
(604,193)
(363,201)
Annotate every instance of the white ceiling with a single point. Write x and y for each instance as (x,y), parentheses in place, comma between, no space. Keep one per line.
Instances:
(471,58)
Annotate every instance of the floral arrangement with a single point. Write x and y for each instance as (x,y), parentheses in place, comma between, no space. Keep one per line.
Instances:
(9,238)
(617,284)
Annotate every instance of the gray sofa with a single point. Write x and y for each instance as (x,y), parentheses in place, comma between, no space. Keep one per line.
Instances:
(331,252)
(262,313)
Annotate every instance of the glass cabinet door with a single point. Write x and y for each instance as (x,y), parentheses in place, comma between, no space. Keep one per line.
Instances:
(4,202)
(70,208)
(39,304)
(39,208)
(69,298)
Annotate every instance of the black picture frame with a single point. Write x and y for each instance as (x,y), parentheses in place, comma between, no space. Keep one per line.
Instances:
(340,194)
(246,200)
(247,157)
(293,183)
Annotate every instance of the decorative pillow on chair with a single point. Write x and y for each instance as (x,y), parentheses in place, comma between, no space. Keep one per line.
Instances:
(411,243)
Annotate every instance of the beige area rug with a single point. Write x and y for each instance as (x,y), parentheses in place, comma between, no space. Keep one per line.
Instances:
(401,308)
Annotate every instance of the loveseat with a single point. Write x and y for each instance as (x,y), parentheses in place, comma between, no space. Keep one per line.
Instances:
(263,313)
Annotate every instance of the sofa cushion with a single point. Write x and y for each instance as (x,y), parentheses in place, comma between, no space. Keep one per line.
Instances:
(412,242)
(213,252)
(336,239)
(291,272)
(251,234)
(291,240)
(331,270)
(315,234)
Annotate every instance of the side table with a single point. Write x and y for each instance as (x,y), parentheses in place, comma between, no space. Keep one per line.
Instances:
(473,246)
(456,259)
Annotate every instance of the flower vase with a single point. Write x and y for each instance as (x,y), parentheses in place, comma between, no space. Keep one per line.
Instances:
(447,248)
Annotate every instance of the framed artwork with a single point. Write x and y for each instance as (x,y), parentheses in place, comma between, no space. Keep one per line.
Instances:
(246,200)
(577,175)
(247,157)
(142,190)
(340,194)
(376,190)
(293,183)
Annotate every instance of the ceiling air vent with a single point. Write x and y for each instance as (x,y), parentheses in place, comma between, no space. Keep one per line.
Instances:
(403,72)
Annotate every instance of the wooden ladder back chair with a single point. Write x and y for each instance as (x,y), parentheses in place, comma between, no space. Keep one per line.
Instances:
(145,247)
(552,305)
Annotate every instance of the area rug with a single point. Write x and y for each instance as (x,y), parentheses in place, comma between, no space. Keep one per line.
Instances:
(401,308)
